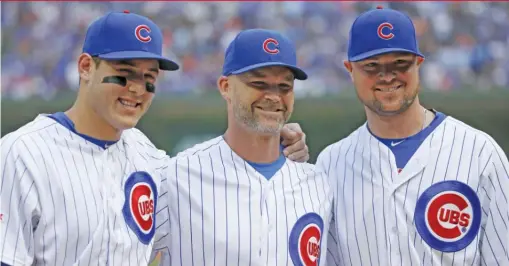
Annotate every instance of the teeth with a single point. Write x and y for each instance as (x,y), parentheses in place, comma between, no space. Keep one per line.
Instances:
(128,103)
(389,89)
(270,110)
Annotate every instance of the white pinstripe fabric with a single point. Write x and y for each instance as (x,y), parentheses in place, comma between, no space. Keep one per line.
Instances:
(222,212)
(62,197)
(374,205)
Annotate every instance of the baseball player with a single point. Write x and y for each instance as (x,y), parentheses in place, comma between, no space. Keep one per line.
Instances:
(412,186)
(81,187)
(235,199)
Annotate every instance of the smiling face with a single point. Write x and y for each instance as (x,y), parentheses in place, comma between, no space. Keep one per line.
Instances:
(260,100)
(387,84)
(120,104)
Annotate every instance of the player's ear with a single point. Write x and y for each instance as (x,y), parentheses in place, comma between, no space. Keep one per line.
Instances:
(348,66)
(85,65)
(420,60)
(223,85)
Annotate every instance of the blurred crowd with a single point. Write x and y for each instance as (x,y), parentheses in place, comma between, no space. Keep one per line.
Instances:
(466,44)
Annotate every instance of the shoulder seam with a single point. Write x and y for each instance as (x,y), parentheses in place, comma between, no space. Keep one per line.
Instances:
(22,135)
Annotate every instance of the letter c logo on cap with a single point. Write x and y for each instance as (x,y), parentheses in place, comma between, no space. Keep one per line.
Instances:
(381,29)
(273,43)
(138,33)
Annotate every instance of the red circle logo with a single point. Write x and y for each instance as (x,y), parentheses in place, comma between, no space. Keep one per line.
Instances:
(142,206)
(449,216)
(138,33)
(381,29)
(309,245)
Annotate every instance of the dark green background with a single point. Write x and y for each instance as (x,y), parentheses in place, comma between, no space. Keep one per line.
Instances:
(175,123)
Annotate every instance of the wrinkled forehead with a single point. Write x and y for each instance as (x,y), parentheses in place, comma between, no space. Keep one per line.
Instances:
(390,57)
(278,72)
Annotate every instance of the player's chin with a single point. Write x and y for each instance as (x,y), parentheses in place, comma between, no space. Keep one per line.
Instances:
(270,127)
(387,109)
(129,116)
(391,107)
(271,119)
(124,122)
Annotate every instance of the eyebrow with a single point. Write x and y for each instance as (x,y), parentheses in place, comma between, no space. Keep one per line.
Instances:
(130,63)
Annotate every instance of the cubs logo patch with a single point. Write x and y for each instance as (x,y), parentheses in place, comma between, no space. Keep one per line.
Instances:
(385,27)
(140,205)
(305,238)
(448,216)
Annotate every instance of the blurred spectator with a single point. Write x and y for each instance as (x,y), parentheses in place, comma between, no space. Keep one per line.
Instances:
(465,43)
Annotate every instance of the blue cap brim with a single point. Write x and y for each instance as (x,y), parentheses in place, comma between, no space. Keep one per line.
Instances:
(376,52)
(297,72)
(164,63)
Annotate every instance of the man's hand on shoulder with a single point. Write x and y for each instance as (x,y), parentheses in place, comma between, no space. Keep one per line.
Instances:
(294,141)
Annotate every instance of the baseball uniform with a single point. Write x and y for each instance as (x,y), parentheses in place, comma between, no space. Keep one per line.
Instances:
(436,198)
(224,211)
(69,199)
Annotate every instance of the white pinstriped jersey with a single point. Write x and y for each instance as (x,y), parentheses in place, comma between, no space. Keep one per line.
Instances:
(448,206)
(223,212)
(67,201)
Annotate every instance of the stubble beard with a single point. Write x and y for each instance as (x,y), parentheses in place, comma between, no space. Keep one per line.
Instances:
(245,115)
(377,107)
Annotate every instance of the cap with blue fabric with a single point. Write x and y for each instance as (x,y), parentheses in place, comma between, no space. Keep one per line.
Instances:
(381,31)
(255,48)
(125,35)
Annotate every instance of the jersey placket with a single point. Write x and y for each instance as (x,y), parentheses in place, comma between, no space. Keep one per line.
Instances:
(112,195)
(397,226)
(391,227)
(106,191)
(267,199)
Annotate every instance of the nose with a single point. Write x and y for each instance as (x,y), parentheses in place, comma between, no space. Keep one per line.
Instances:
(273,95)
(387,77)
(137,88)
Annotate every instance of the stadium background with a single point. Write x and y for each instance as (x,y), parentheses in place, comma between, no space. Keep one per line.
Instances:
(466,72)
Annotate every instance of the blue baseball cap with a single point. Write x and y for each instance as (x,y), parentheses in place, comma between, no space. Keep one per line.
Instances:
(125,35)
(381,31)
(255,48)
